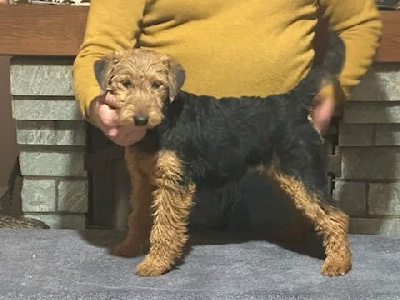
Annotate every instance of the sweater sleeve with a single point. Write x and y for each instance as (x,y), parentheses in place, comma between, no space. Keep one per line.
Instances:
(358,24)
(111,25)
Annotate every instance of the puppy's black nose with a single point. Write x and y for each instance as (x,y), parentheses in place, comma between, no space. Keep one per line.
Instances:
(141,120)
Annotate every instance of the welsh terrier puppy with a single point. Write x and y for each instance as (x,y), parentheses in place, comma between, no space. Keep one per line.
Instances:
(194,140)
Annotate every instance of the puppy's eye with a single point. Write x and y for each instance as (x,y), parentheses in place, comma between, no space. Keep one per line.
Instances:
(157,84)
(126,83)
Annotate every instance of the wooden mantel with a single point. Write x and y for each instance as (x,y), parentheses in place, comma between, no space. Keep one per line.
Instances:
(389,49)
(59,30)
(42,29)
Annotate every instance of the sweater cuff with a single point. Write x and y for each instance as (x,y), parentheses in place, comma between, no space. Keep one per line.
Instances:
(85,98)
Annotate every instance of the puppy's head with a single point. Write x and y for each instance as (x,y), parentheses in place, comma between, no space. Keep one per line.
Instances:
(142,81)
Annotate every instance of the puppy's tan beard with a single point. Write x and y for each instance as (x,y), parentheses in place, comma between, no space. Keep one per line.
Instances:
(126,114)
(155,119)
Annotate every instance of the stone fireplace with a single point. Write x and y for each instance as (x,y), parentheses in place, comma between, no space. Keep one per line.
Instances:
(51,135)
(58,148)
(368,187)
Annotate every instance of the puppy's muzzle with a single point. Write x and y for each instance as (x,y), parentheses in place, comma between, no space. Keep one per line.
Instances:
(141,119)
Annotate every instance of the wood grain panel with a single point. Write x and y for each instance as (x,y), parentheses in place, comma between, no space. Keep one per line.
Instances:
(41,30)
(389,49)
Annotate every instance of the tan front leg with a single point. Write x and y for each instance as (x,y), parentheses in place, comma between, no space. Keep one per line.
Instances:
(140,218)
(172,204)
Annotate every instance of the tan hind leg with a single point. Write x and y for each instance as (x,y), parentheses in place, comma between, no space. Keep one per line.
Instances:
(328,221)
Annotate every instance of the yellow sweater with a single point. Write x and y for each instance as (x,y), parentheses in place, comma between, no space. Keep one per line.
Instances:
(228,47)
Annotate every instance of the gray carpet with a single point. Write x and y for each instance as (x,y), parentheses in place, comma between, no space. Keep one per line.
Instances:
(66,264)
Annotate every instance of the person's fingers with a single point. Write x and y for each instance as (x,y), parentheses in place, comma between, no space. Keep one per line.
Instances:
(109,99)
(121,141)
(323,112)
(125,135)
(124,140)
(111,132)
(101,113)
(107,115)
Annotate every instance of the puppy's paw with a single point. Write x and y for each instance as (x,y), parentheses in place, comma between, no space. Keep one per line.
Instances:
(152,267)
(129,248)
(336,266)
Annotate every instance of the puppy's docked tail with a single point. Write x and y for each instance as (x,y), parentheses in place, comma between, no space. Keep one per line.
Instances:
(323,74)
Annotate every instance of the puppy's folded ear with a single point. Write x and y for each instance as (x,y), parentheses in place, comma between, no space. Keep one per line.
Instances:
(104,69)
(99,69)
(176,76)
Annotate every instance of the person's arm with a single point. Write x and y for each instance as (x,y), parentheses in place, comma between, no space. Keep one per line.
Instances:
(358,24)
(111,25)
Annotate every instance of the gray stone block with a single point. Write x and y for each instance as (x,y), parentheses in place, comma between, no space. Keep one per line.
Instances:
(46,110)
(388,226)
(72,196)
(38,195)
(73,221)
(381,83)
(370,163)
(356,134)
(51,133)
(387,134)
(351,197)
(384,199)
(41,78)
(371,112)
(49,161)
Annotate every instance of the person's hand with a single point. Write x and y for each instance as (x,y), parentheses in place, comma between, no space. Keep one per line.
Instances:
(323,110)
(102,113)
